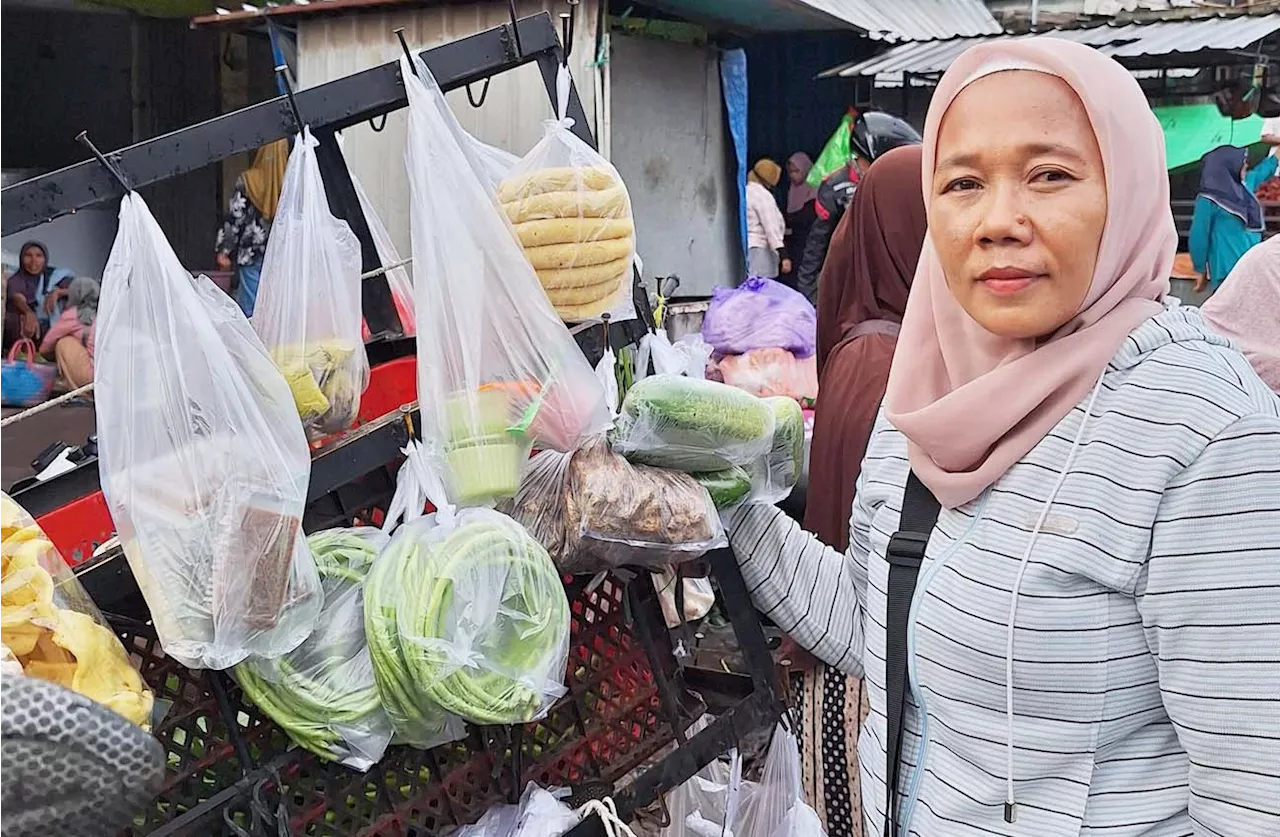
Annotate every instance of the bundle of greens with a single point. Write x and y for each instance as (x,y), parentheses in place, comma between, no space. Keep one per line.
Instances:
(323,693)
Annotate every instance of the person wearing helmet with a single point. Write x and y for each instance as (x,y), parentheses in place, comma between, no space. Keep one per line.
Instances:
(873,134)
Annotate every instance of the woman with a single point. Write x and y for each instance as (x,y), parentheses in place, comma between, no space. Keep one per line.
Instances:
(245,230)
(69,340)
(1247,309)
(864,290)
(765,225)
(33,295)
(1227,219)
(1090,644)
(800,212)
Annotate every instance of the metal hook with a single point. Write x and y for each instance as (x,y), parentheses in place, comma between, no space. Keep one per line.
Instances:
(283,72)
(605,318)
(515,28)
(484,93)
(567,20)
(399,32)
(83,139)
(377,129)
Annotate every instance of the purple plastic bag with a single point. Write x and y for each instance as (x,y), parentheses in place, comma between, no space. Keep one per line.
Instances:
(760,314)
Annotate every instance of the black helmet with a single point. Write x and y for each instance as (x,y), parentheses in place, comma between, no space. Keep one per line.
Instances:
(876,132)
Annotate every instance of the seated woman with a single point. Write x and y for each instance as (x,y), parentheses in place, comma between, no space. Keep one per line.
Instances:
(69,340)
(33,294)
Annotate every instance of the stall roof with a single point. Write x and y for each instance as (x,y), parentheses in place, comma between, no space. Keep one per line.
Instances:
(1132,43)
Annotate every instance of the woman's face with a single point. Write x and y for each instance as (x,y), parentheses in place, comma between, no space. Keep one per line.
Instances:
(1019,202)
(796,174)
(33,261)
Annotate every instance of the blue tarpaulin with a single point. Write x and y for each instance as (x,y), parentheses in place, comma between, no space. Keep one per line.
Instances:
(733,85)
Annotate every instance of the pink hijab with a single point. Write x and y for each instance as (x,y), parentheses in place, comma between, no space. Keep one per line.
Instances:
(1247,309)
(970,403)
(800,193)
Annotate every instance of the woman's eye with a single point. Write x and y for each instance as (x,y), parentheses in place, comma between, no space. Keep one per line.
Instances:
(963,184)
(1052,176)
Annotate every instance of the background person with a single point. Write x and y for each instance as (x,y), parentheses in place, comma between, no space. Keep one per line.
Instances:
(1247,309)
(800,212)
(766,255)
(242,239)
(1227,219)
(34,294)
(69,340)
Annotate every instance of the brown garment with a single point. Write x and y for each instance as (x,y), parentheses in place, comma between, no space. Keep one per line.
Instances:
(75,364)
(861,298)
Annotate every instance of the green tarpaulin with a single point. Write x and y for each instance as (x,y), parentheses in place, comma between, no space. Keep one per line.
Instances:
(1192,130)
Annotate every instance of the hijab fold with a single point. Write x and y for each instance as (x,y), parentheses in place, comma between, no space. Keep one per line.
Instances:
(265,178)
(798,194)
(1221,181)
(972,403)
(1246,309)
(874,251)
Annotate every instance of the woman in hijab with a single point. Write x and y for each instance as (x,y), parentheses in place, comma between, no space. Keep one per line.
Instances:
(69,340)
(1247,309)
(1083,601)
(242,240)
(800,212)
(766,252)
(1227,219)
(863,290)
(34,294)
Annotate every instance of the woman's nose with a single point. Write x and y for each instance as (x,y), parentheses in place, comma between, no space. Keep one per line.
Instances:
(1003,220)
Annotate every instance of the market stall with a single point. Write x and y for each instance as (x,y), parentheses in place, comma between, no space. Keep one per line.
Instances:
(609,709)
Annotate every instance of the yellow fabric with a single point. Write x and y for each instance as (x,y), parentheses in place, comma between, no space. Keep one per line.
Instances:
(766,171)
(265,178)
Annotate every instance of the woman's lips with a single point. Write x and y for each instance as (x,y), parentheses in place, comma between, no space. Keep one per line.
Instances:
(1002,280)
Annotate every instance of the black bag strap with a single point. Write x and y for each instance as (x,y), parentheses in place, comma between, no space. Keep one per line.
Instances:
(905,554)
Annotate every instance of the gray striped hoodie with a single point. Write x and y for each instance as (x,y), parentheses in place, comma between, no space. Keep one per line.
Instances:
(1146,652)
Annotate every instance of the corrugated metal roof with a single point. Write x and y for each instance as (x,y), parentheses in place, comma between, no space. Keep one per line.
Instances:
(1126,41)
(913,20)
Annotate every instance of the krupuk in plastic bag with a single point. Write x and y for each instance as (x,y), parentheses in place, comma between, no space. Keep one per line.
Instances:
(309,311)
(51,627)
(202,457)
(497,370)
(572,215)
(760,314)
(323,692)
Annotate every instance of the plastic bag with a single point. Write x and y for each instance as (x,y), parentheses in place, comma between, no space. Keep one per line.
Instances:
(572,216)
(539,814)
(323,693)
(497,369)
(399,279)
(777,808)
(308,310)
(769,372)
(688,356)
(593,510)
(202,457)
(494,162)
(692,426)
(760,314)
(50,627)
(478,610)
(699,596)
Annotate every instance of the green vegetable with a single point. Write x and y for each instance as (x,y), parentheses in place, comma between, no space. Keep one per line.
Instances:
(323,694)
(728,488)
(786,456)
(692,425)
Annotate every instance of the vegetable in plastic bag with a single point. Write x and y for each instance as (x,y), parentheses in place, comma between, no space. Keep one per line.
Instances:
(308,309)
(497,369)
(593,510)
(323,693)
(769,372)
(203,460)
(572,216)
(692,426)
(470,616)
(760,314)
(50,627)
(777,472)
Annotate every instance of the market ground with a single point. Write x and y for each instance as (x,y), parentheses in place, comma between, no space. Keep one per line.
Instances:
(23,441)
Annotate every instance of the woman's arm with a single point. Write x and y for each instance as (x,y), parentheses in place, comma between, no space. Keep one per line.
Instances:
(1209,597)
(1262,172)
(1198,238)
(775,226)
(810,591)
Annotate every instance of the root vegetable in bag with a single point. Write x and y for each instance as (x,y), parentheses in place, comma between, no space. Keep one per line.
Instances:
(497,370)
(308,311)
(203,460)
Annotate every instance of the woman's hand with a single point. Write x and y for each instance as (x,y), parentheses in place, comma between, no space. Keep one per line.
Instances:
(786,266)
(30,324)
(51,301)
(1201,283)
(223,261)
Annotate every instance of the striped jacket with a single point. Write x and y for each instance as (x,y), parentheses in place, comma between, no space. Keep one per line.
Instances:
(1146,662)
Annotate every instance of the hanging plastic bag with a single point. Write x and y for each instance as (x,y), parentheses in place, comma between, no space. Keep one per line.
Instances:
(323,693)
(760,314)
(607,373)
(539,814)
(399,279)
(592,510)
(203,461)
(50,627)
(494,162)
(309,311)
(572,215)
(466,614)
(692,426)
(777,808)
(497,369)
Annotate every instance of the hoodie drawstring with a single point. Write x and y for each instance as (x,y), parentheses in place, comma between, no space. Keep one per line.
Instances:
(1010,805)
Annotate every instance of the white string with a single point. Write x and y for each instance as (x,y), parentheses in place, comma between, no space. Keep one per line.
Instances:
(608,814)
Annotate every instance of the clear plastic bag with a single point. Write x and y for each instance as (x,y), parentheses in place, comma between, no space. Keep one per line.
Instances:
(494,162)
(572,216)
(52,628)
(692,425)
(309,311)
(592,510)
(769,372)
(323,692)
(480,615)
(760,314)
(202,457)
(777,807)
(688,356)
(775,473)
(497,369)
(399,280)
(539,814)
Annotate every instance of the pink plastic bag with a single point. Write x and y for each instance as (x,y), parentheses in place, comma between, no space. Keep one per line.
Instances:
(768,372)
